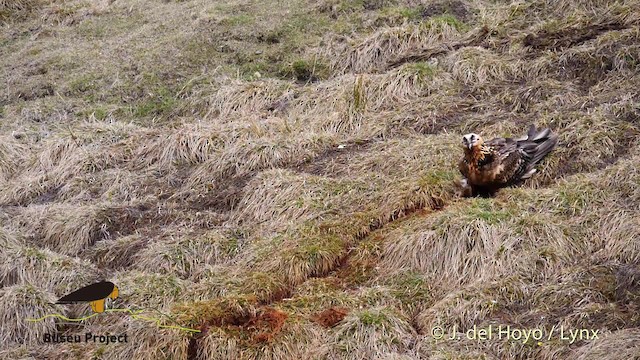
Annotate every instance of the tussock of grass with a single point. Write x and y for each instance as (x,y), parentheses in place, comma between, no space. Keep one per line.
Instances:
(298,198)
(250,97)
(117,253)
(71,229)
(478,67)
(186,146)
(184,254)
(12,10)
(150,290)
(457,254)
(59,161)
(44,268)
(218,177)
(376,51)
(617,232)
(620,344)
(20,302)
(260,335)
(369,333)
(11,156)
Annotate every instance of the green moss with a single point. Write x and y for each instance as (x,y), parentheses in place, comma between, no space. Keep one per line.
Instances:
(100,113)
(475,209)
(424,71)
(373,318)
(395,14)
(410,288)
(93,29)
(159,286)
(263,286)
(315,245)
(304,70)
(83,84)
(446,19)
(162,102)
(572,200)
(237,20)
(437,178)
(487,211)
(32,252)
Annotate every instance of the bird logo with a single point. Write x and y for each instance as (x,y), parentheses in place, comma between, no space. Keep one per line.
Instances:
(501,162)
(95,294)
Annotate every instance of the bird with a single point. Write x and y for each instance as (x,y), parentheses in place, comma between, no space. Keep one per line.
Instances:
(490,165)
(95,294)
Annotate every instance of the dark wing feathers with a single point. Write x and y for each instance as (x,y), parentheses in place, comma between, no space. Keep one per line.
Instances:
(501,146)
(513,163)
(516,158)
(91,292)
(537,145)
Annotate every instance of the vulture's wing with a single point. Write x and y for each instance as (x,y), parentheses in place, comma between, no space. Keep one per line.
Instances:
(508,160)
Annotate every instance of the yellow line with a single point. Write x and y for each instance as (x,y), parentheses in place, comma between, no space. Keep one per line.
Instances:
(62,317)
(134,314)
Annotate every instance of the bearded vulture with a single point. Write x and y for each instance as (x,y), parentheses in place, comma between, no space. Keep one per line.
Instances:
(501,162)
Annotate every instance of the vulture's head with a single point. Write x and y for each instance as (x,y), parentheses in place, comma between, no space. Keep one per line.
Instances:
(471,140)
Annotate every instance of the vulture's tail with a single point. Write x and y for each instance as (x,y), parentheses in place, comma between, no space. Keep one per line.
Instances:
(536,145)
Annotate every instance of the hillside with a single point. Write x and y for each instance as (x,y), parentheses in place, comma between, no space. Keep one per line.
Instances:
(276,179)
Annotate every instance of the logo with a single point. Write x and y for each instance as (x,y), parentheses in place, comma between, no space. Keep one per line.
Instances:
(98,295)
(95,294)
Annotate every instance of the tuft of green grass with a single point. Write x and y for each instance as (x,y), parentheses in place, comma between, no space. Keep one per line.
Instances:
(237,20)
(422,70)
(376,319)
(486,210)
(304,70)
(83,84)
(447,19)
(161,103)
(398,14)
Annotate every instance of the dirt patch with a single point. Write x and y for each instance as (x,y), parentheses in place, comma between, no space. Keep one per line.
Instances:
(475,38)
(554,40)
(126,219)
(266,324)
(628,285)
(453,7)
(223,197)
(568,165)
(261,327)
(330,317)
(35,92)
(332,157)
(48,197)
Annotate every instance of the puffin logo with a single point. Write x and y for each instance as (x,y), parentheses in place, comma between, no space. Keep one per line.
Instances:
(95,294)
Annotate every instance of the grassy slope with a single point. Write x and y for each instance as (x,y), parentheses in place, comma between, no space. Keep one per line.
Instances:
(280,175)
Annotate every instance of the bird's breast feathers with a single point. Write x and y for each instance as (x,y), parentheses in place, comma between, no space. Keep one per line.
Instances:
(480,166)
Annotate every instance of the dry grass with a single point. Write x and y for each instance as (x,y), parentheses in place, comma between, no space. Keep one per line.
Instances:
(281,175)
(377,50)
(19,303)
(372,332)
